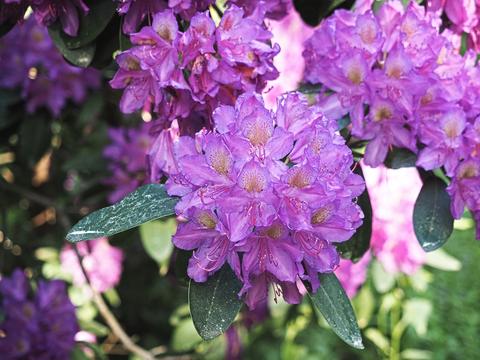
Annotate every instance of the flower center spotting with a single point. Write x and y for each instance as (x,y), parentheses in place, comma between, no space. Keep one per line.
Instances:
(132,64)
(300,178)
(207,220)
(382,112)
(253,179)
(368,32)
(274,232)
(219,159)
(164,32)
(452,126)
(259,131)
(468,171)
(321,215)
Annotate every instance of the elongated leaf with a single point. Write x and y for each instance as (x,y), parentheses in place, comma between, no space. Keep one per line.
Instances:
(399,158)
(215,303)
(432,220)
(91,25)
(147,203)
(81,57)
(331,300)
(357,246)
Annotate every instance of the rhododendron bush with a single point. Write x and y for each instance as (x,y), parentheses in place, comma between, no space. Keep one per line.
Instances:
(210,162)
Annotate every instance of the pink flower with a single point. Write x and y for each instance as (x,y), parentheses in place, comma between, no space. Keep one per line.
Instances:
(290,33)
(393,194)
(353,275)
(102,262)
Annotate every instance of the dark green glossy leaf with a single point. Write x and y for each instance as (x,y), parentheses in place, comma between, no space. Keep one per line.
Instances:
(359,243)
(215,303)
(91,25)
(5,27)
(399,158)
(331,300)
(81,57)
(147,203)
(313,11)
(432,219)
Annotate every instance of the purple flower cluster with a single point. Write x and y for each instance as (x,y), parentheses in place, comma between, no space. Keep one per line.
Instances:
(46,12)
(178,73)
(42,326)
(126,155)
(268,193)
(31,62)
(404,85)
(135,11)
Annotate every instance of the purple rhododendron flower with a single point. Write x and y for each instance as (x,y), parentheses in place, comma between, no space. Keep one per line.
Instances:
(393,194)
(67,11)
(267,193)
(404,85)
(126,155)
(32,63)
(464,16)
(39,326)
(352,275)
(274,9)
(180,74)
(102,262)
(135,11)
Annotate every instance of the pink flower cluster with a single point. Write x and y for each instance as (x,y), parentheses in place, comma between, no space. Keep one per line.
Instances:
(393,194)
(102,262)
(403,85)
(268,193)
(178,72)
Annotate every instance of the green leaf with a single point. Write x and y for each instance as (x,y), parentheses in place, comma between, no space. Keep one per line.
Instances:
(399,158)
(382,280)
(81,57)
(313,11)
(359,243)
(439,259)
(157,238)
(147,203)
(184,336)
(416,313)
(432,220)
(331,300)
(91,25)
(215,303)
(376,337)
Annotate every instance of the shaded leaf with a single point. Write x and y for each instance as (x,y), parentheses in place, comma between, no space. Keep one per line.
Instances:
(81,57)
(90,27)
(432,219)
(147,203)
(313,11)
(331,300)
(399,158)
(214,304)
(359,243)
